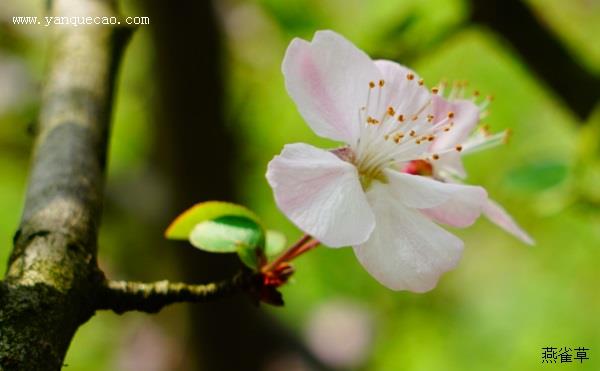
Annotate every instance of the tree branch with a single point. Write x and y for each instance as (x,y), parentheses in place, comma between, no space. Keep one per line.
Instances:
(52,274)
(123,296)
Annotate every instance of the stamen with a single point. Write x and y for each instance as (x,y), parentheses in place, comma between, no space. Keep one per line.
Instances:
(430,118)
(410,76)
(371,84)
(450,114)
(485,130)
(401,118)
(412,133)
(507,134)
(435,156)
(458,148)
(421,82)
(372,121)
(435,90)
(390,111)
(381,83)
(398,137)
(415,117)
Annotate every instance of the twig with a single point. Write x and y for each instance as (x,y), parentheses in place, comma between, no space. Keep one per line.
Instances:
(151,297)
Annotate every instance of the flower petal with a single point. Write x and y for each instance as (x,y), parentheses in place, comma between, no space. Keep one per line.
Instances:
(497,215)
(321,194)
(421,192)
(462,209)
(406,251)
(449,164)
(328,79)
(465,118)
(402,90)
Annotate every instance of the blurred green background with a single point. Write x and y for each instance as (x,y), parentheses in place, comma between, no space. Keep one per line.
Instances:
(496,311)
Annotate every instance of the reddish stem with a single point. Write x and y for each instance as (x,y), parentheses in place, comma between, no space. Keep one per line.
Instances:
(301,246)
(306,247)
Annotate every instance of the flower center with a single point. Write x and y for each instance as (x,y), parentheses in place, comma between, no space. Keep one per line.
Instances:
(418,167)
(397,130)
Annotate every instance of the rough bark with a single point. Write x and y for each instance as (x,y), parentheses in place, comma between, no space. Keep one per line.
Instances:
(53,284)
(49,288)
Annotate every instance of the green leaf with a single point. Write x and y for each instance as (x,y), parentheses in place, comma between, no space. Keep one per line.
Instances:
(182,226)
(228,234)
(253,258)
(275,244)
(538,176)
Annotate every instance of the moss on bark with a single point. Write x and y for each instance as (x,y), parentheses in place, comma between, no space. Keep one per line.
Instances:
(52,279)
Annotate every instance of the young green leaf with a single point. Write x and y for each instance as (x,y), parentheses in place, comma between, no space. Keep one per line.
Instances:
(253,258)
(227,234)
(182,226)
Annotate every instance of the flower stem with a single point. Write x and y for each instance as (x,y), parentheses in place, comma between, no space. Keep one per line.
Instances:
(304,244)
(309,245)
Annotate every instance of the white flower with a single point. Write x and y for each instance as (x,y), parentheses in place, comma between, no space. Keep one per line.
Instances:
(466,138)
(358,195)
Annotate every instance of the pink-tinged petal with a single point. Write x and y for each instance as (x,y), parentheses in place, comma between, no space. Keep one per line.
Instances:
(465,117)
(328,79)
(497,215)
(462,209)
(321,194)
(402,90)
(406,251)
(420,192)
(449,163)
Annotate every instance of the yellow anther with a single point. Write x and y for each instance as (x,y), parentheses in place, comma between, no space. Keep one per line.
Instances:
(435,90)
(401,118)
(458,148)
(390,111)
(435,156)
(381,83)
(485,130)
(415,117)
(371,84)
(450,114)
(412,133)
(398,137)
(421,82)
(372,121)
(410,76)
(507,134)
